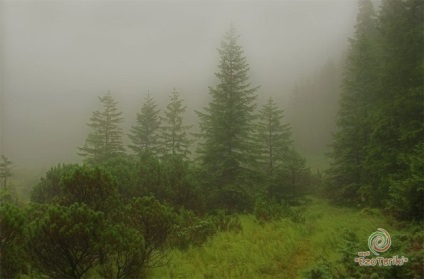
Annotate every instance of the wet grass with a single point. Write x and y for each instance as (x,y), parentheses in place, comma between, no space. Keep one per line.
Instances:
(279,249)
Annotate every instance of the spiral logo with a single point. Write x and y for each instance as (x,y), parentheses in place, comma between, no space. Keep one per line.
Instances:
(379,241)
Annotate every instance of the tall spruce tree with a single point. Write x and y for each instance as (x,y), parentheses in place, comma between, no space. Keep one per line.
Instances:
(377,153)
(226,123)
(174,138)
(105,141)
(348,178)
(273,138)
(396,147)
(145,134)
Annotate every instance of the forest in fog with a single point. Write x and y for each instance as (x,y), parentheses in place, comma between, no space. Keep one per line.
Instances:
(314,174)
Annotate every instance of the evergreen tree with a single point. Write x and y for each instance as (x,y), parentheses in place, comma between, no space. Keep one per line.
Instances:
(145,134)
(377,152)
(359,87)
(396,146)
(226,123)
(105,141)
(5,169)
(226,128)
(173,133)
(273,137)
(294,173)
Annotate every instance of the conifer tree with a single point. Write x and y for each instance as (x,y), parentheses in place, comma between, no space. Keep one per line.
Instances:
(145,134)
(359,87)
(174,138)
(273,137)
(106,139)
(226,123)
(396,145)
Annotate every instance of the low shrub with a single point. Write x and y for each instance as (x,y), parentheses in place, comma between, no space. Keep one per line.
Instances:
(191,230)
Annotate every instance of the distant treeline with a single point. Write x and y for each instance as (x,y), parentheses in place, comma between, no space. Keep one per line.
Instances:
(123,209)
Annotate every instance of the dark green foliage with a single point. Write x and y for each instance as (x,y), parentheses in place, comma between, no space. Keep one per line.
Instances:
(149,177)
(377,151)
(5,170)
(233,197)
(407,193)
(154,221)
(68,184)
(225,148)
(291,179)
(174,138)
(398,118)
(414,247)
(321,270)
(191,230)
(133,236)
(92,186)
(12,256)
(184,192)
(399,132)
(360,82)
(273,138)
(123,169)
(145,134)
(49,188)
(123,253)
(349,248)
(64,242)
(169,180)
(282,167)
(106,139)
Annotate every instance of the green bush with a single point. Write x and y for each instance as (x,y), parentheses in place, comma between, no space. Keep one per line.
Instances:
(122,253)
(321,270)
(155,222)
(49,188)
(12,257)
(191,230)
(63,242)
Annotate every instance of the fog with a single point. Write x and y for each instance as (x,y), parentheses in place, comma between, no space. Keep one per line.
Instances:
(57,57)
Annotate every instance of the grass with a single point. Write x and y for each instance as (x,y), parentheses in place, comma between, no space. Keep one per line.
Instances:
(279,249)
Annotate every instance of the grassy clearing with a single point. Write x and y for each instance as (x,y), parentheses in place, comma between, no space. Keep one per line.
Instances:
(279,249)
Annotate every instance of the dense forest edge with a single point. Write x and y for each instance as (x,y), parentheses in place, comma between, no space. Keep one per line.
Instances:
(233,197)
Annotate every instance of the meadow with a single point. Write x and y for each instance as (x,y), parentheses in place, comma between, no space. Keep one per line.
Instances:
(315,247)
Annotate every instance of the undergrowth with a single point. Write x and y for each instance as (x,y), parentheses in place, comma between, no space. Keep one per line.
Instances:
(315,240)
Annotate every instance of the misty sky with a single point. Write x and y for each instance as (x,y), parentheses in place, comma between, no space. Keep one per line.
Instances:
(57,57)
